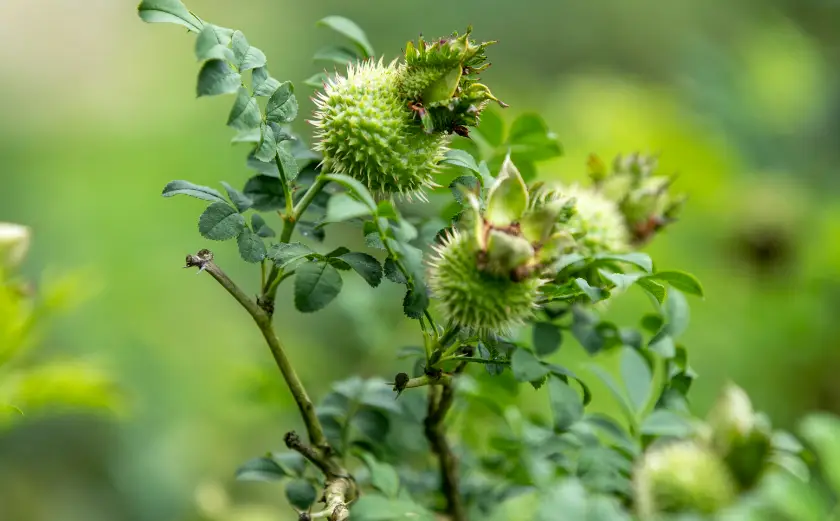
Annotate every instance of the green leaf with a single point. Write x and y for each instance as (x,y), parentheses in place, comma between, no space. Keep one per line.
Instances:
(287,161)
(263,84)
(393,273)
(251,247)
(654,289)
(651,323)
(463,183)
(383,477)
(585,330)
(405,232)
(492,128)
(286,252)
(246,57)
(564,374)
(316,285)
(282,106)
(546,338)
(193,190)
(317,80)
(355,187)
(641,260)
(212,42)
(260,469)
(526,367)
(622,281)
(220,222)
(680,280)
(216,77)
(386,209)
(251,135)
(456,157)
(416,300)
(292,463)
(530,138)
(566,500)
(245,113)
(565,404)
(637,377)
(365,265)
(219,52)
(169,11)
(372,424)
(663,345)
(614,389)
(311,230)
(342,207)
(267,149)
(508,197)
(301,494)
(339,55)
(822,431)
(261,167)
(260,227)
(240,200)
(350,30)
(663,422)
(266,193)
(676,313)
(594,294)
(374,507)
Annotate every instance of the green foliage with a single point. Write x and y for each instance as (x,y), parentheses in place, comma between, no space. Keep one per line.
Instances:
(317,283)
(32,382)
(516,269)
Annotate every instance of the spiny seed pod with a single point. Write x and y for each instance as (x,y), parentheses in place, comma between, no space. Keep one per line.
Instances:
(597,224)
(486,276)
(387,125)
(682,477)
(642,196)
(473,297)
(365,130)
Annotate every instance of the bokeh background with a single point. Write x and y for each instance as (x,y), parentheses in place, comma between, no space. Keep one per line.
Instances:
(742,98)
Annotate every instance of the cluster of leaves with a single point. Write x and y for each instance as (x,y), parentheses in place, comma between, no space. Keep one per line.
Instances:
(569,463)
(30,382)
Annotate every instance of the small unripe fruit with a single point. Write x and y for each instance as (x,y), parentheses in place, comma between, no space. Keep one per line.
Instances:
(597,224)
(682,477)
(475,298)
(643,197)
(740,436)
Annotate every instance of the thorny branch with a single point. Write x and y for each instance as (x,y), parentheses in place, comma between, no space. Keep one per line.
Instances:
(340,488)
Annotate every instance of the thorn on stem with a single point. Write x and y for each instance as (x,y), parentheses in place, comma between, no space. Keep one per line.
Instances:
(400,381)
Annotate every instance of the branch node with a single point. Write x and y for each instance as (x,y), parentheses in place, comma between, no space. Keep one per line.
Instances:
(200,259)
(266,304)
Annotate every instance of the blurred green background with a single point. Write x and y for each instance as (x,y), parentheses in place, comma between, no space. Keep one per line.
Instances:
(99,113)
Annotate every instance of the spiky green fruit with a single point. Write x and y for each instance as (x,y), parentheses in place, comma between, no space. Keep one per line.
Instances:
(366,130)
(387,125)
(597,225)
(475,298)
(487,276)
(682,477)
